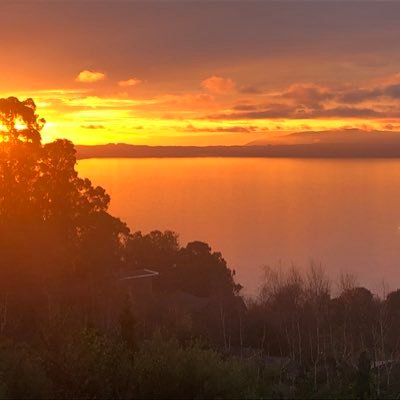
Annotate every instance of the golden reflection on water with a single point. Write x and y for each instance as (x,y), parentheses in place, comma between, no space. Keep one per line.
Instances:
(342,213)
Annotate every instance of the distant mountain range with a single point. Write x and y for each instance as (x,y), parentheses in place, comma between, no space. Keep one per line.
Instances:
(348,143)
(333,136)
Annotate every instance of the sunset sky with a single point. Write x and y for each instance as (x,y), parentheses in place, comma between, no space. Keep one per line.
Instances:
(202,72)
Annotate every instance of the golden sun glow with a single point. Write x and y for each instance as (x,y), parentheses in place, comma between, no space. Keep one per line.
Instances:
(87,117)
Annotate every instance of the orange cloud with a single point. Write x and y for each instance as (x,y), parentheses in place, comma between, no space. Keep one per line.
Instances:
(191,102)
(93,126)
(88,76)
(224,129)
(308,95)
(219,85)
(129,82)
(391,79)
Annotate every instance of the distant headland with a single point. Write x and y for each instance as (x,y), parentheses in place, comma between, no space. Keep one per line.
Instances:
(314,150)
(345,143)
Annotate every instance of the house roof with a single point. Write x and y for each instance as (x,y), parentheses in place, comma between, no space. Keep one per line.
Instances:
(137,274)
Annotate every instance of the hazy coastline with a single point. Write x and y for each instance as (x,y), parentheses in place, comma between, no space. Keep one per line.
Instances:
(313,150)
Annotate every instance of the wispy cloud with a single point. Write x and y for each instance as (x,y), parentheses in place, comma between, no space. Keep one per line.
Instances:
(129,82)
(219,85)
(223,129)
(308,95)
(93,126)
(88,76)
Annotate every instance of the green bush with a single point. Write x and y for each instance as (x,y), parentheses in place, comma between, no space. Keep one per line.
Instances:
(164,369)
(22,373)
(94,366)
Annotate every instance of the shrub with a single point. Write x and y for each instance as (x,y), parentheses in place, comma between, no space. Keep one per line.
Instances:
(22,373)
(164,369)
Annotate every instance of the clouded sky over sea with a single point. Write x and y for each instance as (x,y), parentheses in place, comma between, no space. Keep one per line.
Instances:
(202,72)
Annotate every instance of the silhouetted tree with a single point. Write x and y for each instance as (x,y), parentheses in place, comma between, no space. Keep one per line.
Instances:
(155,250)
(202,272)
(54,225)
(127,325)
(363,378)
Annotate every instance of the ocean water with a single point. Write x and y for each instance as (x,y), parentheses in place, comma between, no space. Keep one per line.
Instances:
(342,214)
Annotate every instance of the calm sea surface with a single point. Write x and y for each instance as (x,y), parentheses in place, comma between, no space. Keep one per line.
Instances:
(344,214)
